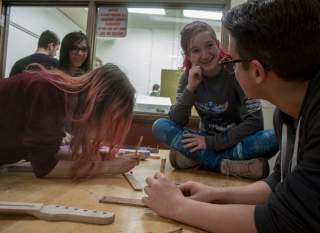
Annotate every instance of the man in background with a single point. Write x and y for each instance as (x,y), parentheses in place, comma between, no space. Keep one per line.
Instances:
(48,45)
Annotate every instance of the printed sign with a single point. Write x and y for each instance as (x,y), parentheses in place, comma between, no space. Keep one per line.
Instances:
(112,22)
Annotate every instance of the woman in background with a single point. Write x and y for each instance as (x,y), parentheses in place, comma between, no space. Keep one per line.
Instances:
(74,54)
(35,106)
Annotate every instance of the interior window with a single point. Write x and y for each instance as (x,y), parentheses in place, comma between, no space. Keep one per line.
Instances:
(147,48)
(29,22)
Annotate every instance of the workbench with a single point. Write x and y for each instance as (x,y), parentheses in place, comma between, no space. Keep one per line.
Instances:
(86,193)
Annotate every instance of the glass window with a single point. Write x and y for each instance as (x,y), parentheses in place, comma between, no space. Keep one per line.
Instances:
(149,49)
(27,23)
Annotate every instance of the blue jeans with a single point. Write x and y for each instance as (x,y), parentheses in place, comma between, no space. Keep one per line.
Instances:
(261,144)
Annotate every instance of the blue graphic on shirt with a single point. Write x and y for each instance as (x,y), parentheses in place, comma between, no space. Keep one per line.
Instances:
(211,107)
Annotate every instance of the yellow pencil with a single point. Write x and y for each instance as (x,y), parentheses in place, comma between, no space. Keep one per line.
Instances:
(139,144)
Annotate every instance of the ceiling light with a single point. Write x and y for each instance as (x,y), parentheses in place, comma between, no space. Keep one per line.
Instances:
(151,11)
(212,15)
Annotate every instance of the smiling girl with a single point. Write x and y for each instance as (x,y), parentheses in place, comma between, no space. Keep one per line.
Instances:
(231,124)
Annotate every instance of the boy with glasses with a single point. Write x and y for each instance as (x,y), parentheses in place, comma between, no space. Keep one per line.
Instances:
(280,41)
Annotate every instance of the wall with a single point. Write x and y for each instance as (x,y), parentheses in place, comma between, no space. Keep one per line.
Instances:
(36,20)
(142,55)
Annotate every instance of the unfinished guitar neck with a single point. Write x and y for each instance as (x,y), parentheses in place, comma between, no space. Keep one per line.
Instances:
(57,212)
(134,183)
(122,201)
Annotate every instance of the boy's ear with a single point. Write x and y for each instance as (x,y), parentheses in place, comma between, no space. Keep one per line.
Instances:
(49,45)
(258,71)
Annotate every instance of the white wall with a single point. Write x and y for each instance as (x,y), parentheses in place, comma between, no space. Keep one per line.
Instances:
(36,20)
(131,54)
(142,55)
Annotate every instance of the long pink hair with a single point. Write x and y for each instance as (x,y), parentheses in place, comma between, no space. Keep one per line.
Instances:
(190,31)
(103,115)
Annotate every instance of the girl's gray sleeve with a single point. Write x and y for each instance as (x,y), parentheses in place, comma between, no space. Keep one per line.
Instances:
(181,110)
(251,122)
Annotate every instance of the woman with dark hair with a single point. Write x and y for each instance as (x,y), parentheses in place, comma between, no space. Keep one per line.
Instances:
(74,54)
(231,138)
(35,106)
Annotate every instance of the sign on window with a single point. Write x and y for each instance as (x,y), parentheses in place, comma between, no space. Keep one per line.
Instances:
(112,22)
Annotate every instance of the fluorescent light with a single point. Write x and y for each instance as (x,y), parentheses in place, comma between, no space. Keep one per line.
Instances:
(213,15)
(151,11)
(215,23)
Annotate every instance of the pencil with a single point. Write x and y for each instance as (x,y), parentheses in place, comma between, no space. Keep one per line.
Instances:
(139,144)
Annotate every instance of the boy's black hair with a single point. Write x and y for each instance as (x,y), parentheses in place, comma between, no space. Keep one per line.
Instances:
(284,35)
(46,38)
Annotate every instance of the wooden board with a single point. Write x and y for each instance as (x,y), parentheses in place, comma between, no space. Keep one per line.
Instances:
(134,183)
(122,201)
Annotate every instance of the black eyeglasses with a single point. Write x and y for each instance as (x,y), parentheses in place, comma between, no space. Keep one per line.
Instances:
(227,61)
(76,49)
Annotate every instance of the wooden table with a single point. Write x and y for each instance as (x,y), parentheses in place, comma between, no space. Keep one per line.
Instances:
(24,187)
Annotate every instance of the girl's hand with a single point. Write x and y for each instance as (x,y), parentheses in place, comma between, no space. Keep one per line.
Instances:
(194,142)
(194,79)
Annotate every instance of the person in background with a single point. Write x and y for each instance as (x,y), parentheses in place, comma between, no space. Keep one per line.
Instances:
(98,63)
(275,47)
(231,138)
(48,45)
(35,106)
(155,90)
(74,54)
